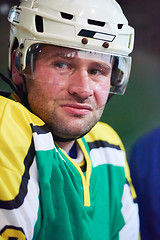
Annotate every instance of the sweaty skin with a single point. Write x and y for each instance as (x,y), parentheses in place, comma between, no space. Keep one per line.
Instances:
(64,92)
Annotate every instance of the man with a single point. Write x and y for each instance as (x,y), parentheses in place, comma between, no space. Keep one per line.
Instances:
(144,165)
(63,173)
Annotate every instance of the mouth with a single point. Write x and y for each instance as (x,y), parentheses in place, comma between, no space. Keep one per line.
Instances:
(77,109)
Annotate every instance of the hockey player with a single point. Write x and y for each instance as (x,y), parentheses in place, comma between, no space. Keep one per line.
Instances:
(63,173)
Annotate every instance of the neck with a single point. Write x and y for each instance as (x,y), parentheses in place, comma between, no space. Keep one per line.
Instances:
(66,146)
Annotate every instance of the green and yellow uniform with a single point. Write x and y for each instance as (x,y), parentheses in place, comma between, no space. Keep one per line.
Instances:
(45,195)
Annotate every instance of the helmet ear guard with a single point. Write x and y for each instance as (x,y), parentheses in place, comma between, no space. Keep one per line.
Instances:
(117,74)
(18,63)
(116,79)
(120,74)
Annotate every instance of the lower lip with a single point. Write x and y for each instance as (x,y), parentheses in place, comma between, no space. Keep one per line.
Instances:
(76,111)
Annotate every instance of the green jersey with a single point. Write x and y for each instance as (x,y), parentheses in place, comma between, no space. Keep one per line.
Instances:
(45,195)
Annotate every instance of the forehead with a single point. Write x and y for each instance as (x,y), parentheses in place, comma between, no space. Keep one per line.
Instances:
(48,51)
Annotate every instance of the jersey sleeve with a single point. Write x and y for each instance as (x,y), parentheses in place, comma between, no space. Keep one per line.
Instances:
(130,231)
(18,171)
(130,210)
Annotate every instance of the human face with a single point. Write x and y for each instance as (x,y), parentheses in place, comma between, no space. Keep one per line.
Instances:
(69,89)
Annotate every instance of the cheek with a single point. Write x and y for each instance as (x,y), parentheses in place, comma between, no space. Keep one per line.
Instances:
(40,89)
(46,75)
(36,94)
(101,97)
(38,102)
(101,92)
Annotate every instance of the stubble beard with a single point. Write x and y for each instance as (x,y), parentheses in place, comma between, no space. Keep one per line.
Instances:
(74,128)
(65,127)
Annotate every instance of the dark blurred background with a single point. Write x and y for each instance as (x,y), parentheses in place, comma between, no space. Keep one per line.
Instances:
(137,112)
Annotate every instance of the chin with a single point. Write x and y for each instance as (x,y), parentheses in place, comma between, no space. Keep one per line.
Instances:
(71,129)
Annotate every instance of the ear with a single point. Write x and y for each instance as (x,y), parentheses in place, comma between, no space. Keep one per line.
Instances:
(17,79)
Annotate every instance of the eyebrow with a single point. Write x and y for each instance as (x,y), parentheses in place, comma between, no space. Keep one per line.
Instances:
(71,55)
(102,64)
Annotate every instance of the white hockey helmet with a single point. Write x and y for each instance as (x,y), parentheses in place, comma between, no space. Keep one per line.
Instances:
(88,25)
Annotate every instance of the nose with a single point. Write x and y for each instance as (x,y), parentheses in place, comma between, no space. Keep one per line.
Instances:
(80,84)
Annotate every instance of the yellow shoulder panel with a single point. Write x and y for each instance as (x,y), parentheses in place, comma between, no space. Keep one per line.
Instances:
(102,131)
(15,140)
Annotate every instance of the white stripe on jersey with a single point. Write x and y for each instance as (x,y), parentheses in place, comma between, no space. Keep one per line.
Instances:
(43,142)
(25,216)
(107,155)
(130,213)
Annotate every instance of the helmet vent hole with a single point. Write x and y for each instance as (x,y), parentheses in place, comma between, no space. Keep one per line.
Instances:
(66,16)
(39,23)
(120,26)
(96,23)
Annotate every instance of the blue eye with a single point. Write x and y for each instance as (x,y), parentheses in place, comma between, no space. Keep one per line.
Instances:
(62,65)
(95,72)
(100,70)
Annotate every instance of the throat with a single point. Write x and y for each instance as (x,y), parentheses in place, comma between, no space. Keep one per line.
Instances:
(77,155)
(66,146)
